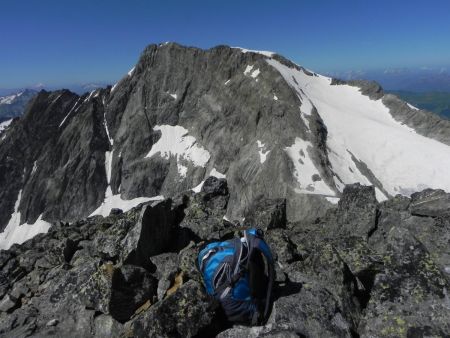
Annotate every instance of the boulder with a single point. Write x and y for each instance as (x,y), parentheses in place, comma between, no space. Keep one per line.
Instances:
(283,249)
(204,214)
(151,235)
(267,214)
(430,202)
(409,298)
(8,303)
(131,287)
(357,211)
(186,313)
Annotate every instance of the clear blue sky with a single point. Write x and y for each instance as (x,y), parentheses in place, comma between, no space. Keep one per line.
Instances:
(59,42)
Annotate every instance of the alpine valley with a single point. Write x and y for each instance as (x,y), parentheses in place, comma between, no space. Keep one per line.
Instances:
(105,198)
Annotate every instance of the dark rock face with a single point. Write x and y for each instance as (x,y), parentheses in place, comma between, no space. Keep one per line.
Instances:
(268,214)
(47,163)
(151,235)
(357,211)
(334,278)
(131,286)
(57,154)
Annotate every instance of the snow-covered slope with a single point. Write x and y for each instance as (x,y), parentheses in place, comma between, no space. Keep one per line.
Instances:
(10,98)
(15,232)
(363,133)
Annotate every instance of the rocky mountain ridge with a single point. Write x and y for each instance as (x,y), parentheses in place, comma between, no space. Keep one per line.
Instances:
(366,269)
(183,114)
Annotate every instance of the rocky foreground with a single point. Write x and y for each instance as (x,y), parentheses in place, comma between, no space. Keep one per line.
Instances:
(365,269)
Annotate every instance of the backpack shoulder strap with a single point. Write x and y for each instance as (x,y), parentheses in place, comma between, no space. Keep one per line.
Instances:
(255,240)
(237,269)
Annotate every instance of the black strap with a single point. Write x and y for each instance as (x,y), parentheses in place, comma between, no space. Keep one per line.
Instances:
(234,279)
(269,290)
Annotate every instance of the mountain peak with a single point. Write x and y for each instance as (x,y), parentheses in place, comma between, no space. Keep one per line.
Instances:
(271,127)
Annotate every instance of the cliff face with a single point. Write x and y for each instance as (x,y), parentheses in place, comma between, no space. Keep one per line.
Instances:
(272,128)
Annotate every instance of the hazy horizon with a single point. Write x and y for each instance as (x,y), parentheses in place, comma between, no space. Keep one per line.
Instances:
(55,44)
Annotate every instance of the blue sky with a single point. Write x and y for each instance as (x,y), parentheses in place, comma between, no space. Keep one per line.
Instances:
(65,42)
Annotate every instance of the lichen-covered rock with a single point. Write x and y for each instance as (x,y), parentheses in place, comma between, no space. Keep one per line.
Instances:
(356,212)
(204,215)
(410,297)
(283,249)
(131,286)
(186,313)
(430,202)
(342,275)
(166,269)
(267,214)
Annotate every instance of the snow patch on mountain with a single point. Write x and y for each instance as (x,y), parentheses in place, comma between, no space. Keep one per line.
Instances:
(217,174)
(262,154)
(57,98)
(175,141)
(255,73)
(306,107)
(248,69)
(105,124)
(198,188)
(34,168)
(16,233)
(5,125)
(10,98)
(412,107)
(114,86)
(363,129)
(333,200)
(115,201)
(70,111)
(89,96)
(214,173)
(262,52)
(182,170)
(306,173)
(112,201)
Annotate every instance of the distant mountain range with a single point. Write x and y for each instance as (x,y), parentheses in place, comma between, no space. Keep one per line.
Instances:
(13,105)
(436,102)
(422,79)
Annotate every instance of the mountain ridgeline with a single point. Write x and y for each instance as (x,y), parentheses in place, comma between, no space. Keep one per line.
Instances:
(190,139)
(272,128)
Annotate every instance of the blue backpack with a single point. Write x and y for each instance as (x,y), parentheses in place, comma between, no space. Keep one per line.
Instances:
(239,273)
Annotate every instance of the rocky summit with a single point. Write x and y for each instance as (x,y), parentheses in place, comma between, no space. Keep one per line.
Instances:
(365,269)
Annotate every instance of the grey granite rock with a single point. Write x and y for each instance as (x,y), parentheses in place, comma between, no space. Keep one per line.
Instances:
(430,203)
